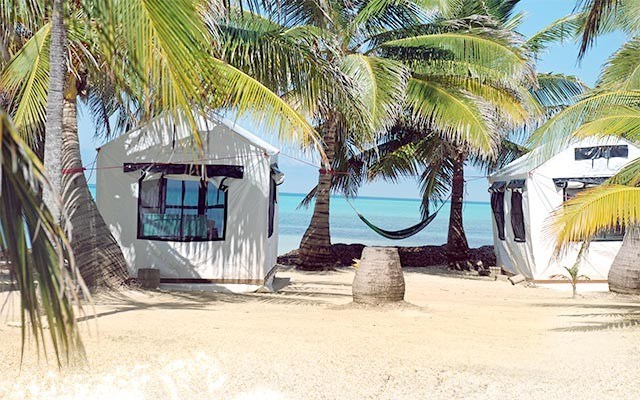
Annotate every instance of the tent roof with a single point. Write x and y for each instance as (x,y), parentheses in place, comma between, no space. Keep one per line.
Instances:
(537,157)
(205,124)
(248,136)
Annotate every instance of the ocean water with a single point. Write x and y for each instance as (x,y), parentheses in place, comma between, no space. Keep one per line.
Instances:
(387,213)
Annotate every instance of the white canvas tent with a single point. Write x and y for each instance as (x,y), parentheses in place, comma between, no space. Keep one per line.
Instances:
(525,192)
(205,219)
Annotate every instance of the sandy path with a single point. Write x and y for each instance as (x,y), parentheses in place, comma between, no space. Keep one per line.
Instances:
(465,338)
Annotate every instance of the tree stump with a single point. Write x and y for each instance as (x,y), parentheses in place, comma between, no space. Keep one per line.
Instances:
(379,277)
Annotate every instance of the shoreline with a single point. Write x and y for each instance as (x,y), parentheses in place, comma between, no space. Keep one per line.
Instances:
(410,256)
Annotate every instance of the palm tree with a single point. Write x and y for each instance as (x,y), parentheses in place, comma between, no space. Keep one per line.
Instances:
(184,69)
(612,108)
(371,36)
(23,89)
(482,93)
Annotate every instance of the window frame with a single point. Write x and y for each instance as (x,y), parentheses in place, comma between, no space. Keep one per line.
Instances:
(202,197)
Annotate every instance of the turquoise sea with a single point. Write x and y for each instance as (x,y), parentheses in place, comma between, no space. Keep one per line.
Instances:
(387,213)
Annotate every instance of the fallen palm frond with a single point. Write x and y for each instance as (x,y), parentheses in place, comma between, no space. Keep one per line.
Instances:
(42,263)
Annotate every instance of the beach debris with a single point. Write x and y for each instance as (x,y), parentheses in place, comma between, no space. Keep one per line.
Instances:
(149,278)
(379,278)
(494,272)
(517,279)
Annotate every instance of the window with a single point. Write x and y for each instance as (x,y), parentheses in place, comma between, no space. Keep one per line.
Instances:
(610,235)
(181,210)
(497,206)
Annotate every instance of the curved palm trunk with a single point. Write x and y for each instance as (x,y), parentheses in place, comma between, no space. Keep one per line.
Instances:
(315,247)
(624,275)
(97,254)
(55,100)
(457,246)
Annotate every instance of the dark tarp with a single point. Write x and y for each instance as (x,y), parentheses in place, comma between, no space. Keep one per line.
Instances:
(517,217)
(231,171)
(497,206)
(595,152)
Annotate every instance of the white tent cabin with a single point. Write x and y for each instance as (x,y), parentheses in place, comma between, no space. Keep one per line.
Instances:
(526,191)
(205,219)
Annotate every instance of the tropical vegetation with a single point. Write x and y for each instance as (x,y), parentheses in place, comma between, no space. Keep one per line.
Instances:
(378,87)
(472,88)
(54,55)
(406,58)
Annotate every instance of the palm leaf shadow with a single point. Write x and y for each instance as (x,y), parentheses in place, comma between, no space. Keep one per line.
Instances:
(627,319)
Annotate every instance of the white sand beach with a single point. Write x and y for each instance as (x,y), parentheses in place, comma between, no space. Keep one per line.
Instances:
(460,337)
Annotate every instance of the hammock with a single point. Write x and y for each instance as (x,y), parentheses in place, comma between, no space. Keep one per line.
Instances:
(402,233)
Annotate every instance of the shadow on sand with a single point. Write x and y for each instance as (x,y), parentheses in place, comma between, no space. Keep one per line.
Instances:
(600,317)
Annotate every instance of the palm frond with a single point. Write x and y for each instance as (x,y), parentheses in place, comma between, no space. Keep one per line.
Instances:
(620,121)
(40,255)
(558,90)
(622,70)
(597,11)
(246,94)
(560,30)
(593,211)
(629,175)
(473,47)
(25,80)
(558,132)
(381,83)
(452,113)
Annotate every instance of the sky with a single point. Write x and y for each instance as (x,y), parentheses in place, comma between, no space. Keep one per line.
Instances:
(560,58)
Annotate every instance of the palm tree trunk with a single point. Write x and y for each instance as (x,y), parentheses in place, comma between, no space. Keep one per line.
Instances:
(315,248)
(457,246)
(97,254)
(55,102)
(379,277)
(624,275)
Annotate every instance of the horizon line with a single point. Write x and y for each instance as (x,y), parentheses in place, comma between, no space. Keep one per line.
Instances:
(382,198)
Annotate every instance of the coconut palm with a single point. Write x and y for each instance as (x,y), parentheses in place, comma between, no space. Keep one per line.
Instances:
(182,66)
(372,36)
(483,93)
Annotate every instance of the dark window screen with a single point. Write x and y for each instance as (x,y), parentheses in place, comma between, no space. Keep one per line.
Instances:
(517,217)
(497,206)
(181,210)
(592,153)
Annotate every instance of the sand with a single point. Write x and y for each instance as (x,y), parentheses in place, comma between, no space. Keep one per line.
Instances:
(459,337)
